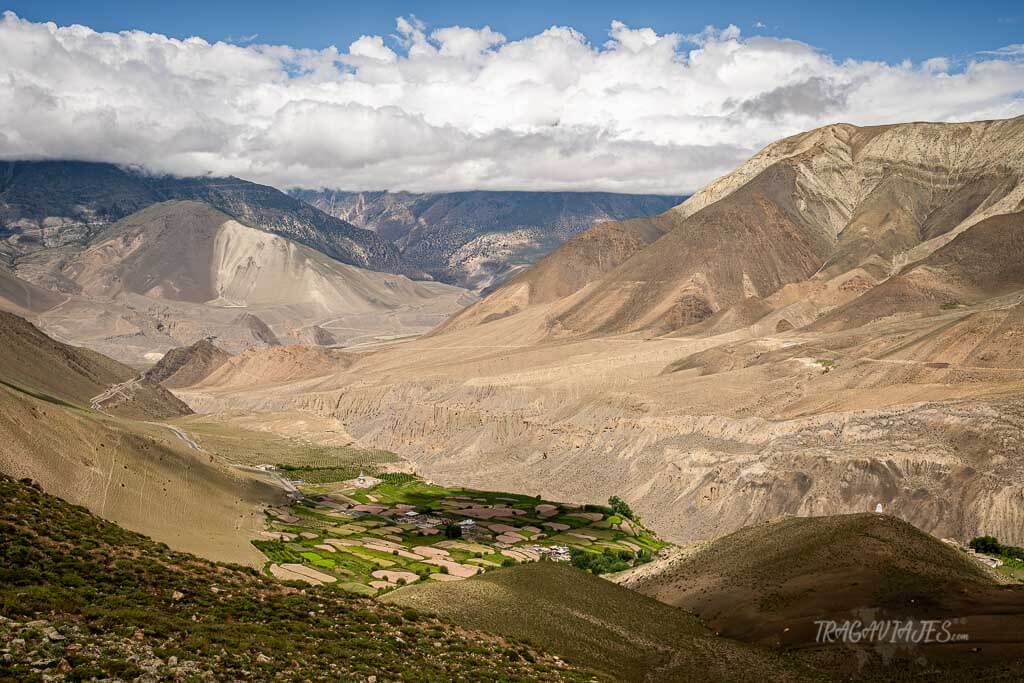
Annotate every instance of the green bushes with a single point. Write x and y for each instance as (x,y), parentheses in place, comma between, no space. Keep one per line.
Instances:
(990,545)
(620,507)
(396,477)
(605,562)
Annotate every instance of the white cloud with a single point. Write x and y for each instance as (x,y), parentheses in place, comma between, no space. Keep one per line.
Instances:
(1015,50)
(460,108)
(372,47)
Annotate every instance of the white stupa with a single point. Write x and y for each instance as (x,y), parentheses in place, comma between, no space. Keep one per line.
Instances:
(878,508)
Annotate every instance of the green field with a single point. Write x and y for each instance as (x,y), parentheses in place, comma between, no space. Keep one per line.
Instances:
(1012,568)
(331,533)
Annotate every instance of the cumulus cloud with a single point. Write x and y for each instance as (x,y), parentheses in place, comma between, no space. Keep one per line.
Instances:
(451,108)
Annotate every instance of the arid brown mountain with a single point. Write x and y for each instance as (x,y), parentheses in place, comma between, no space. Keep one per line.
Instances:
(585,258)
(479,239)
(180,271)
(24,298)
(984,262)
(825,207)
(31,360)
(56,203)
(187,365)
(275,365)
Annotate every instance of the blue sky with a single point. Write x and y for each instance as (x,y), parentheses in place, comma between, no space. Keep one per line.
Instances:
(459,96)
(890,31)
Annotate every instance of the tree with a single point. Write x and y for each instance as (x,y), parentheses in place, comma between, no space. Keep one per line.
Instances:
(452,531)
(986,544)
(620,507)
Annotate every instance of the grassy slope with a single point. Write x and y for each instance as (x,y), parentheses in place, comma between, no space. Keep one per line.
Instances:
(235,443)
(137,474)
(123,605)
(31,360)
(587,620)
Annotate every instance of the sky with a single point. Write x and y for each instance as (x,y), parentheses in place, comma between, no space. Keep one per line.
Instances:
(628,97)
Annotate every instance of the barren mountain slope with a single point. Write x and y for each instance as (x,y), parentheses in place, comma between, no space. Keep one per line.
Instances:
(53,203)
(30,360)
(580,261)
(181,271)
(24,298)
(57,203)
(980,263)
(747,245)
(818,206)
(188,251)
(479,239)
(274,365)
(185,366)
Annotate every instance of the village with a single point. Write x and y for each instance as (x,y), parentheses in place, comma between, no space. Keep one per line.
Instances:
(369,535)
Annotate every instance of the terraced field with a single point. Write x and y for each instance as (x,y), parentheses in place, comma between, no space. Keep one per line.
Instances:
(402,530)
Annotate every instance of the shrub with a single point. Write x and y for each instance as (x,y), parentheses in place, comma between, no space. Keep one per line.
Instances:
(991,546)
(986,544)
(620,507)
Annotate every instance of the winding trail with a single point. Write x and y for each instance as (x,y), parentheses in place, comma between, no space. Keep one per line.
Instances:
(181,434)
(97,401)
(284,483)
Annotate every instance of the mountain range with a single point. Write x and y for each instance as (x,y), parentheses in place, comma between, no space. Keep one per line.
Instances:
(133,265)
(478,239)
(47,204)
(831,212)
(180,271)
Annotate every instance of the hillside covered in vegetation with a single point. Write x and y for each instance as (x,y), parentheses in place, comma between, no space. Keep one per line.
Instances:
(83,598)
